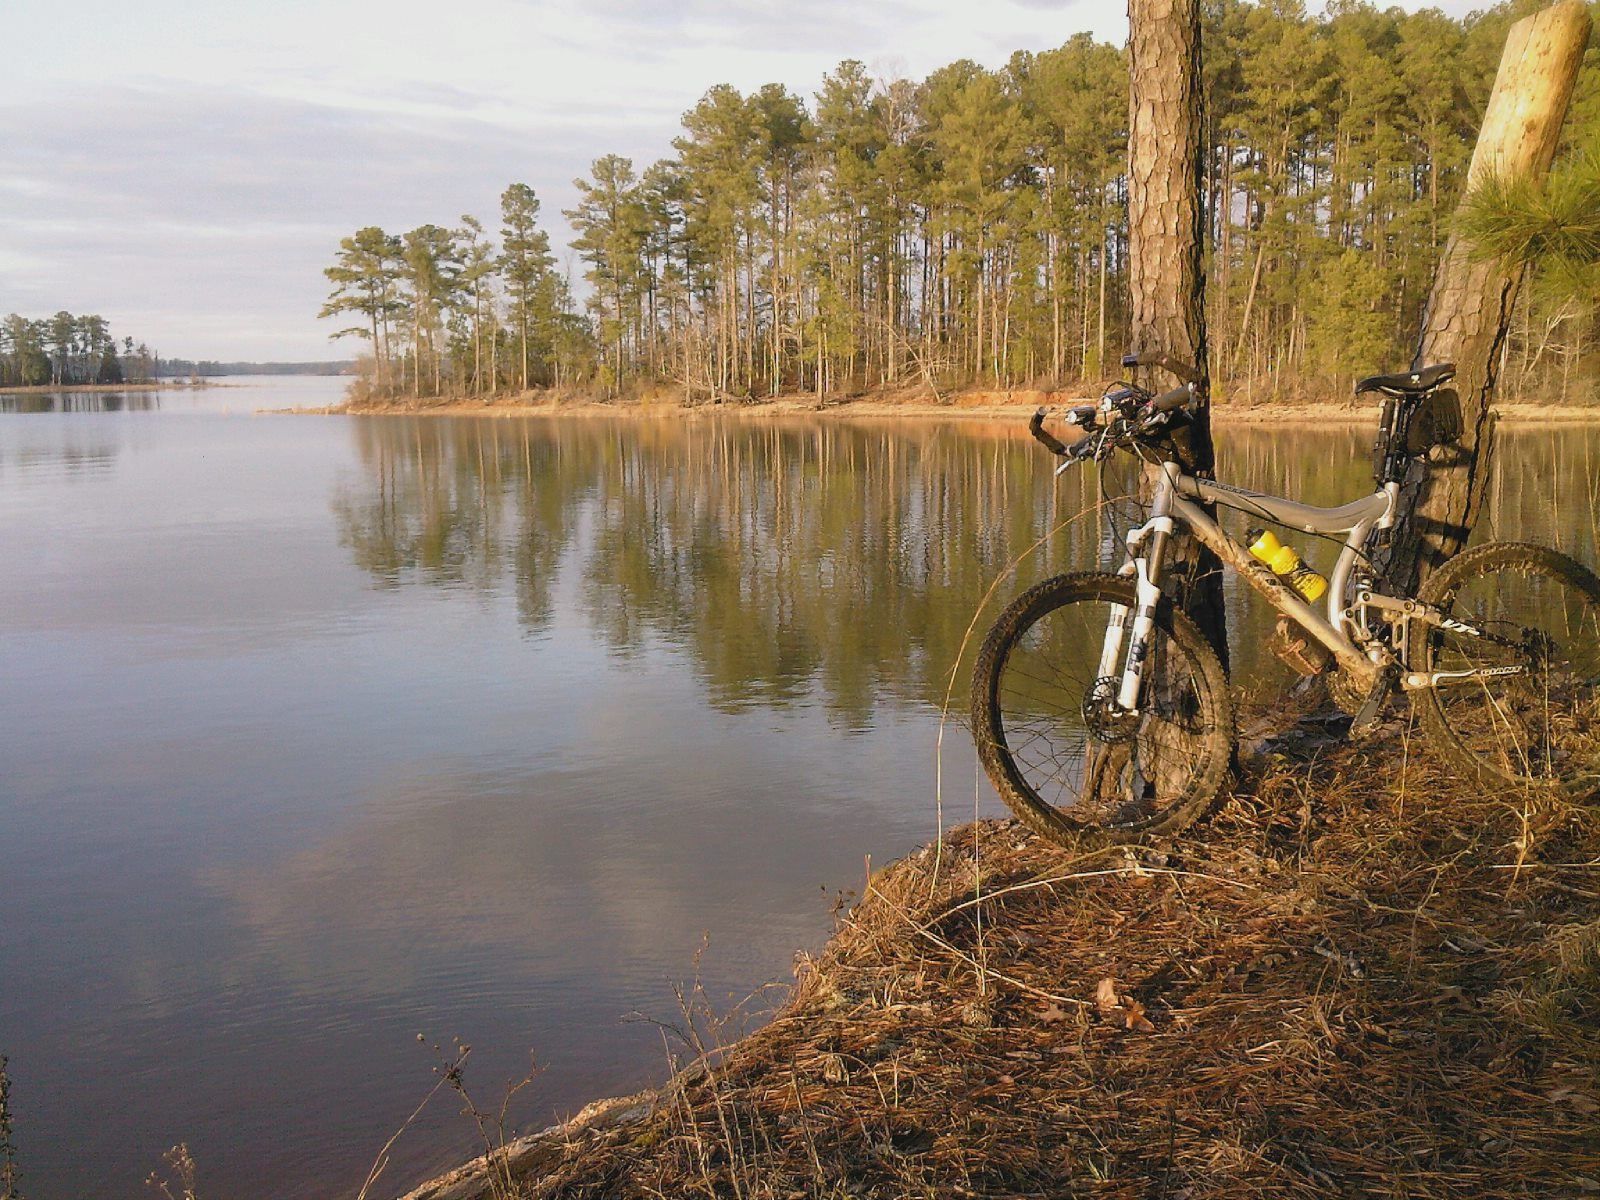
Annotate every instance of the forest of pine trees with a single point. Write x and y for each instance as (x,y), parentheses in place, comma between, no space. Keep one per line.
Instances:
(65,349)
(968,230)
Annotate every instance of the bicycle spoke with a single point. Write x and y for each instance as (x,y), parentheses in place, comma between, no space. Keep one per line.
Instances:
(1060,749)
(1539,726)
(1042,691)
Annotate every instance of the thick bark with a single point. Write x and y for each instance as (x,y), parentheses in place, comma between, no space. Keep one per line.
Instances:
(1470,306)
(1166,271)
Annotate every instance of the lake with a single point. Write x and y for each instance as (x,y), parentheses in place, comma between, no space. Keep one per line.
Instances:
(320,733)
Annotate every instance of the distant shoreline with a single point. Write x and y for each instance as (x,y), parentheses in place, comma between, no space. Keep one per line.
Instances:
(164,385)
(966,405)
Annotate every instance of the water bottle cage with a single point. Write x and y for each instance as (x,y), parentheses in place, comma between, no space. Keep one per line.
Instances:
(1286,563)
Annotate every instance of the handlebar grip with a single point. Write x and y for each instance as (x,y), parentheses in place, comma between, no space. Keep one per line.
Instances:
(1177,398)
(1036,427)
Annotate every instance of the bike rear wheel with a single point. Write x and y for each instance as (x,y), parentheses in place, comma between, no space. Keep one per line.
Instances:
(1060,755)
(1537,723)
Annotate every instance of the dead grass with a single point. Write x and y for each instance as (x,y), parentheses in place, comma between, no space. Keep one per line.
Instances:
(1355,979)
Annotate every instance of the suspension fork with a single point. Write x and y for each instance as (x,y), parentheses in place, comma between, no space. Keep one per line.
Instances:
(1145,568)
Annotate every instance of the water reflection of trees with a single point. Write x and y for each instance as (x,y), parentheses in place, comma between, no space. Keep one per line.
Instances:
(78,402)
(785,557)
(464,504)
(792,558)
(1545,487)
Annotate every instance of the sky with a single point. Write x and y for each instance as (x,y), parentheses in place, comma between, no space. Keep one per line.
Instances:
(187,168)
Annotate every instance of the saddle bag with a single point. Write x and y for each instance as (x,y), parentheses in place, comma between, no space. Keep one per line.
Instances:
(1436,421)
(1409,428)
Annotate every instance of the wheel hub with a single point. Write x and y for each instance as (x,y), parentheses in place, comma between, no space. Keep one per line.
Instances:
(1104,717)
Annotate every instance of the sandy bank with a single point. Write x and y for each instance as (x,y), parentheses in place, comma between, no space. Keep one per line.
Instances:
(911,405)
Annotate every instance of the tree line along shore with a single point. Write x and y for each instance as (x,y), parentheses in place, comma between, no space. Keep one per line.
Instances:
(969,230)
(68,351)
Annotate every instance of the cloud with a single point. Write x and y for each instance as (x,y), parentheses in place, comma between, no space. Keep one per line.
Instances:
(767,25)
(200,219)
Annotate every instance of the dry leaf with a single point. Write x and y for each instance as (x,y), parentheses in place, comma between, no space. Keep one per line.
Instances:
(1105,996)
(976,1015)
(1135,1018)
(1051,1014)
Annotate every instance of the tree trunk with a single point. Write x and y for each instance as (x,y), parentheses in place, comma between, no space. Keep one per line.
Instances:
(1470,307)
(1166,273)
(377,347)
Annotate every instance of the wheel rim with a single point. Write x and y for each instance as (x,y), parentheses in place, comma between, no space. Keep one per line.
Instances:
(1541,726)
(1070,751)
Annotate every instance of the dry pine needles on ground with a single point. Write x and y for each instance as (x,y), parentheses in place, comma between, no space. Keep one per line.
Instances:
(1358,978)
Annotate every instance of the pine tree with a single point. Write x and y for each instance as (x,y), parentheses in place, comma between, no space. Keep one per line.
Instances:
(610,224)
(525,265)
(363,278)
(430,270)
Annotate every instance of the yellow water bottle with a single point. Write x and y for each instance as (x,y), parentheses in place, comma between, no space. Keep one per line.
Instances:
(1286,564)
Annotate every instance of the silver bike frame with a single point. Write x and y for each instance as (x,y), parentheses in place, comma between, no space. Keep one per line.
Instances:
(1176,498)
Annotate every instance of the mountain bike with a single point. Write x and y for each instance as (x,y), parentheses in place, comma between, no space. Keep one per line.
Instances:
(1102,714)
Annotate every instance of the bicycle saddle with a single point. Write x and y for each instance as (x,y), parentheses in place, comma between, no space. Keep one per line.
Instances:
(1409,383)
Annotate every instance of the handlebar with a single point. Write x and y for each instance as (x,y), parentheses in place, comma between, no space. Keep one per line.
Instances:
(1160,358)
(1129,413)
(1047,440)
(1177,398)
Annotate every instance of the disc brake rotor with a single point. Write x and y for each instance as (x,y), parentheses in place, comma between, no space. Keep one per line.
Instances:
(1104,717)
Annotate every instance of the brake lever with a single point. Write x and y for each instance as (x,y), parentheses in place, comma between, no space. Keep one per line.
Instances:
(1088,447)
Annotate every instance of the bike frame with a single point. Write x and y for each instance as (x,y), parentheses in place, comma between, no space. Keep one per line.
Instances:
(1177,499)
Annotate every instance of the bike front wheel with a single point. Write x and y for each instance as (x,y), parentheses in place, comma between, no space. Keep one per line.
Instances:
(1516,694)
(1052,740)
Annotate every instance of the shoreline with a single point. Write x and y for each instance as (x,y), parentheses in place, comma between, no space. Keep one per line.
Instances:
(1257,1008)
(1018,403)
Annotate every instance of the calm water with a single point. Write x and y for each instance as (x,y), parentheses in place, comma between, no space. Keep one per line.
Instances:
(319,733)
